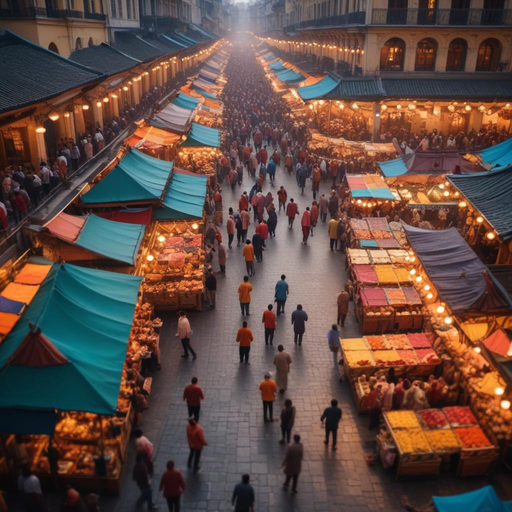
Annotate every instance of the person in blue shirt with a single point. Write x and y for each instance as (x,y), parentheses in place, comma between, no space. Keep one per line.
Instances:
(271,170)
(332,417)
(243,496)
(281,294)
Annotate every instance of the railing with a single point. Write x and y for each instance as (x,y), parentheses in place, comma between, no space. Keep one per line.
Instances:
(98,16)
(64,13)
(352,18)
(453,17)
(27,12)
(32,12)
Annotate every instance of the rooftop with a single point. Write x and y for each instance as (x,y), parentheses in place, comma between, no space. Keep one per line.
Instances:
(104,58)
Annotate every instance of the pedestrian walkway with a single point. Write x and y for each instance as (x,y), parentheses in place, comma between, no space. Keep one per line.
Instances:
(232,415)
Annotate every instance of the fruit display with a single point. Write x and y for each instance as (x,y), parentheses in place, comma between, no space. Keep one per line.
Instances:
(419,340)
(363,235)
(398,341)
(402,420)
(377,224)
(359,358)
(427,356)
(412,441)
(379,257)
(377,342)
(359,224)
(387,358)
(386,274)
(353,344)
(381,235)
(198,161)
(433,419)
(408,357)
(442,441)
(460,416)
(472,437)
(358,257)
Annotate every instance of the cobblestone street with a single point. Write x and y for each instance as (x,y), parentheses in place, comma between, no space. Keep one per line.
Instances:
(232,417)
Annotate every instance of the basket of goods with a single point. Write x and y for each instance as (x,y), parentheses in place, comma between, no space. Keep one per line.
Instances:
(460,416)
(472,437)
(443,441)
(412,441)
(402,420)
(433,419)
(360,358)
(398,341)
(427,356)
(388,358)
(377,342)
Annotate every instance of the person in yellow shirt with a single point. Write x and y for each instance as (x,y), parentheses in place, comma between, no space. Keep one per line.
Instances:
(248,254)
(268,390)
(332,227)
(244,337)
(244,294)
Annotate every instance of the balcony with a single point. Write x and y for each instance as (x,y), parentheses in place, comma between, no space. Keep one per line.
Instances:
(443,17)
(353,18)
(33,12)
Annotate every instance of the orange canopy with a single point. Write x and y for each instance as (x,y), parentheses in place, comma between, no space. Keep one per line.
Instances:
(31,274)
(66,227)
(205,101)
(153,137)
(7,322)
(20,292)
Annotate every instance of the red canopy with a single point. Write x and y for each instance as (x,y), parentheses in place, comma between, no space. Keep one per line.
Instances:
(129,216)
(499,343)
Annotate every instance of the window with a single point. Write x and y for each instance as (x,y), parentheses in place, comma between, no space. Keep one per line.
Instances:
(392,55)
(53,48)
(78,44)
(15,144)
(120,8)
(128,9)
(90,43)
(456,59)
(489,54)
(426,55)
(113,8)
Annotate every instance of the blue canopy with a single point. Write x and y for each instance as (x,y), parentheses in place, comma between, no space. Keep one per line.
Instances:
(393,168)
(491,194)
(185,101)
(186,38)
(269,56)
(200,135)
(290,76)
(174,41)
(321,88)
(204,93)
(498,156)
(481,500)
(136,178)
(210,79)
(277,65)
(210,66)
(459,276)
(184,198)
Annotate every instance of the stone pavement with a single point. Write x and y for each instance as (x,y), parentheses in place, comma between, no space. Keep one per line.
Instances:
(232,417)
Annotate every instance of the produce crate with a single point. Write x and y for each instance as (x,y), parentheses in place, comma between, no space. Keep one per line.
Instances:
(428,467)
(188,300)
(477,462)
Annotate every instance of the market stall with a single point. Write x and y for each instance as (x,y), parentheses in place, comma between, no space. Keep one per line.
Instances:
(368,186)
(154,142)
(376,232)
(173,118)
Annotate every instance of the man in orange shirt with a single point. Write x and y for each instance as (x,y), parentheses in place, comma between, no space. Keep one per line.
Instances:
(196,442)
(244,294)
(244,337)
(269,322)
(248,254)
(268,390)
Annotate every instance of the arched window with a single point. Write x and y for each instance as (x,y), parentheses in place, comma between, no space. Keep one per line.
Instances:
(91,42)
(392,55)
(53,47)
(456,59)
(426,55)
(489,54)
(78,44)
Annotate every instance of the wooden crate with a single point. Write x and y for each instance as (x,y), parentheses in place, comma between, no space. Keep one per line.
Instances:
(427,467)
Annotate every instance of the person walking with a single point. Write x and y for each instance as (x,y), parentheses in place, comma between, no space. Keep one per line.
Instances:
(244,337)
(323,207)
(331,417)
(282,362)
(314,216)
(244,294)
(245,217)
(292,211)
(248,254)
(292,463)
(230,228)
(333,205)
(243,496)
(221,251)
(306,225)
(281,294)
(282,195)
(287,421)
(333,339)
(268,390)
(196,443)
(269,322)
(272,220)
(184,333)
(343,303)
(332,228)
(145,447)
(258,243)
(210,284)
(262,230)
(299,319)
(193,394)
(172,485)
(143,480)
(239,231)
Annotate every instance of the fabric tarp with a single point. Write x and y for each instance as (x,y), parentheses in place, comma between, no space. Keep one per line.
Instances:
(499,343)
(185,101)
(184,197)
(87,315)
(427,162)
(481,500)
(200,136)
(136,178)
(490,193)
(365,274)
(10,306)
(175,41)
(66,227)
(373,297)
(207,76)
(203,92)
(129,215)
(151,137)
(369,186)
(459,276)
(173,118)
(324,86)
(498,156)
(277,65)
(290,76)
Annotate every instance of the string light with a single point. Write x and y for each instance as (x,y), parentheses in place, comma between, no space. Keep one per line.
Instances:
(426,287)
(505,404)
(440,309)
(479,219)
(161,238)
(499,391)
(150,257)
(40,129)
(54,116)
(477,350)
(448,320)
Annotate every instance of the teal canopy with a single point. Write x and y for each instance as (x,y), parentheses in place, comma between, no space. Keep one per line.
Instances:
(87,316)
(200,135)
(203,92)
(393,168)
(321,88)
(290,76)
(116,240)
(176,41)
(277,65)
(481,500)
(185,101)
(136,178)
(498,156)
(186,38)
(184,197)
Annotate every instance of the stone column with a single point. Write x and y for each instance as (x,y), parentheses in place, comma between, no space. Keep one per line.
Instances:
(41,147)
(97,114)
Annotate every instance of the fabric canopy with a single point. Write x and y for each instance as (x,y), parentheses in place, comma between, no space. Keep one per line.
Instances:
(481,500)
(185,101)
(290,76)
(204,74)
(427,162)
(202,136)
(66,227)
(136,178)
(373,297)
(203,92)
(324,86)
(129,215)
(151,137)
(459,276)
(365,274)
(87,316)
(184,198)
(173,118)
(500,343)
(490,193)
(498,156)
(277,65)
(369,186)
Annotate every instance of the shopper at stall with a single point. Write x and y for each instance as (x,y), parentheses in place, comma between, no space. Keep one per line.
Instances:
(281,294)
(244,338)
(173,486)
(243,496)
(196,443)
(244,295)
(268,390)
(193,394)
(29,485)
(184,333)
(299,319)
(292,463)
(282,362)
(142,478)
(145,447)
(331,418)
(210,284)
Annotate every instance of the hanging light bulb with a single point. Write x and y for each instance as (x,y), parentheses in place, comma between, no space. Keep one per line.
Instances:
(40,129)
(440,309)
(66,114)
(150,257)
(125,88)
(85,107)
(412,271)
(448,320)
(105,99)
(399,106)
(441,186)
(161,238)
(430,296)
(383,108)
(98,104)
(426,287)
(355,106)
(446,193)
(419,279)
(195,225)
(479,219)
(413,259)
(490,235)
(505,404)
(54,116)
(463,204)
(477,350)
(499,391)
(467,108)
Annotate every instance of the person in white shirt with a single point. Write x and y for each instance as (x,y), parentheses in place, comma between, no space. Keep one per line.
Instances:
(98,137)
(184,333)
(45,178)
(145,447)
(30,486)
